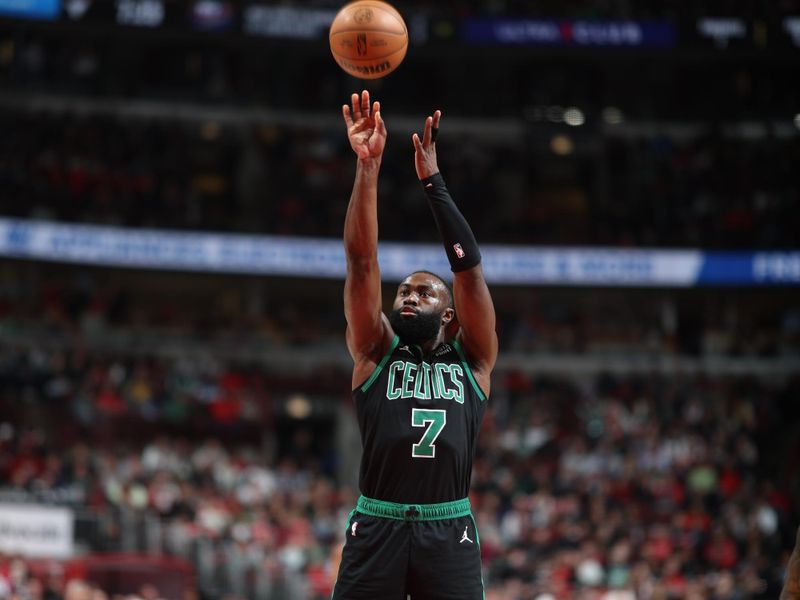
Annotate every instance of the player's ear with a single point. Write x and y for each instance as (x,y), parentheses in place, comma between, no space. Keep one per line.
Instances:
(447,316)
(451,329)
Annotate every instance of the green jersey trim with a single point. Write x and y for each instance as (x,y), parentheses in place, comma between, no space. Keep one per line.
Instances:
(471,377)
(379,368)
(478,541)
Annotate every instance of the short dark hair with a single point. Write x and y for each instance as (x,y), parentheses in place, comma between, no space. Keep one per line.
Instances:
(450,300)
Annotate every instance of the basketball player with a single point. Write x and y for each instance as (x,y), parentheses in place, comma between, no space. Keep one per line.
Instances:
(419,394)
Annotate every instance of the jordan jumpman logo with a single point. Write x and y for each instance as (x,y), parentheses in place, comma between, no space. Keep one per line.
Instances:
(465,537)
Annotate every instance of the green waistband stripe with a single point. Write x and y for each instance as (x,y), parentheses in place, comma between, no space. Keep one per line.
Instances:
(414,512)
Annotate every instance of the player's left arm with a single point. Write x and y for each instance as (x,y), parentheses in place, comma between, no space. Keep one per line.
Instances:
(476,318)
(474,306)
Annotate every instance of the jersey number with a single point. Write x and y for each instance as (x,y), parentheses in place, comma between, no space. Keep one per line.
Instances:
(434,420)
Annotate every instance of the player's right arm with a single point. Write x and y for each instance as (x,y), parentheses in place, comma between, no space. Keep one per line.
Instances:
(368,331)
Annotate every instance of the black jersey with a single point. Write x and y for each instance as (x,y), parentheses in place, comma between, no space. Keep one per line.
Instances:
(419,418)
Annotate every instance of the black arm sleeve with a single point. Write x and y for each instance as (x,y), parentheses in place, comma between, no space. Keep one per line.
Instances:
(459,241)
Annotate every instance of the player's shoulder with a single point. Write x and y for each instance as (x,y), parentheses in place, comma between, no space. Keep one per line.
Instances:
(481,371)
(366,359)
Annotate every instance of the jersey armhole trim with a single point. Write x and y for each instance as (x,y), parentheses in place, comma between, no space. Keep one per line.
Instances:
(478,390)
(379,368)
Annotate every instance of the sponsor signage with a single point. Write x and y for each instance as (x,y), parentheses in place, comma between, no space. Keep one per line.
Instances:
(36,531)
(31,9)
(140,13)
(287,22)
(722,30)
(298,22)
(324,258)
(586,33)
(212,15)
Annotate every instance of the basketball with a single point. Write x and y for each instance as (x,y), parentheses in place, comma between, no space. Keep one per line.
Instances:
(368,39)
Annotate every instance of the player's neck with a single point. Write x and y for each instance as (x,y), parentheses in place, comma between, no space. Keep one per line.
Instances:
(433,343)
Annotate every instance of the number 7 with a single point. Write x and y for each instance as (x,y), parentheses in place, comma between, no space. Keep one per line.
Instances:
(435,420)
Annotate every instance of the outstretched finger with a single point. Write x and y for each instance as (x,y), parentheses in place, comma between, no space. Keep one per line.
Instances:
(348,119)
(417,143)
(426,135)
(376,107)
(437,115)
(356,106)
(365,103)
(380,127)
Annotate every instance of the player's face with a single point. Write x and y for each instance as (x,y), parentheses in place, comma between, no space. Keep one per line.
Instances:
(421,308)
(421,293)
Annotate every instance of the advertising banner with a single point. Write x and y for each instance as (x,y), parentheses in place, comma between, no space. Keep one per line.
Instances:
(31,9)
(324,258)
(36,531)
(551,32)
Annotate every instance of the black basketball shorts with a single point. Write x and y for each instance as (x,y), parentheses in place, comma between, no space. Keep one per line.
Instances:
(427,551)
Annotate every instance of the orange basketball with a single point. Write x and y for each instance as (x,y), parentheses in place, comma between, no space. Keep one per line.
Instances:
(368,39)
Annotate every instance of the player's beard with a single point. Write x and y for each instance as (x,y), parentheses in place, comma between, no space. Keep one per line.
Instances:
(416,330)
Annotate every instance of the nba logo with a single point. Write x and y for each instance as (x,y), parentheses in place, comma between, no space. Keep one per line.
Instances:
(459,250)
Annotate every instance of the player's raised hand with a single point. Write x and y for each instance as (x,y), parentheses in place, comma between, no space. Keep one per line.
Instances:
(365,128)
(425,148)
